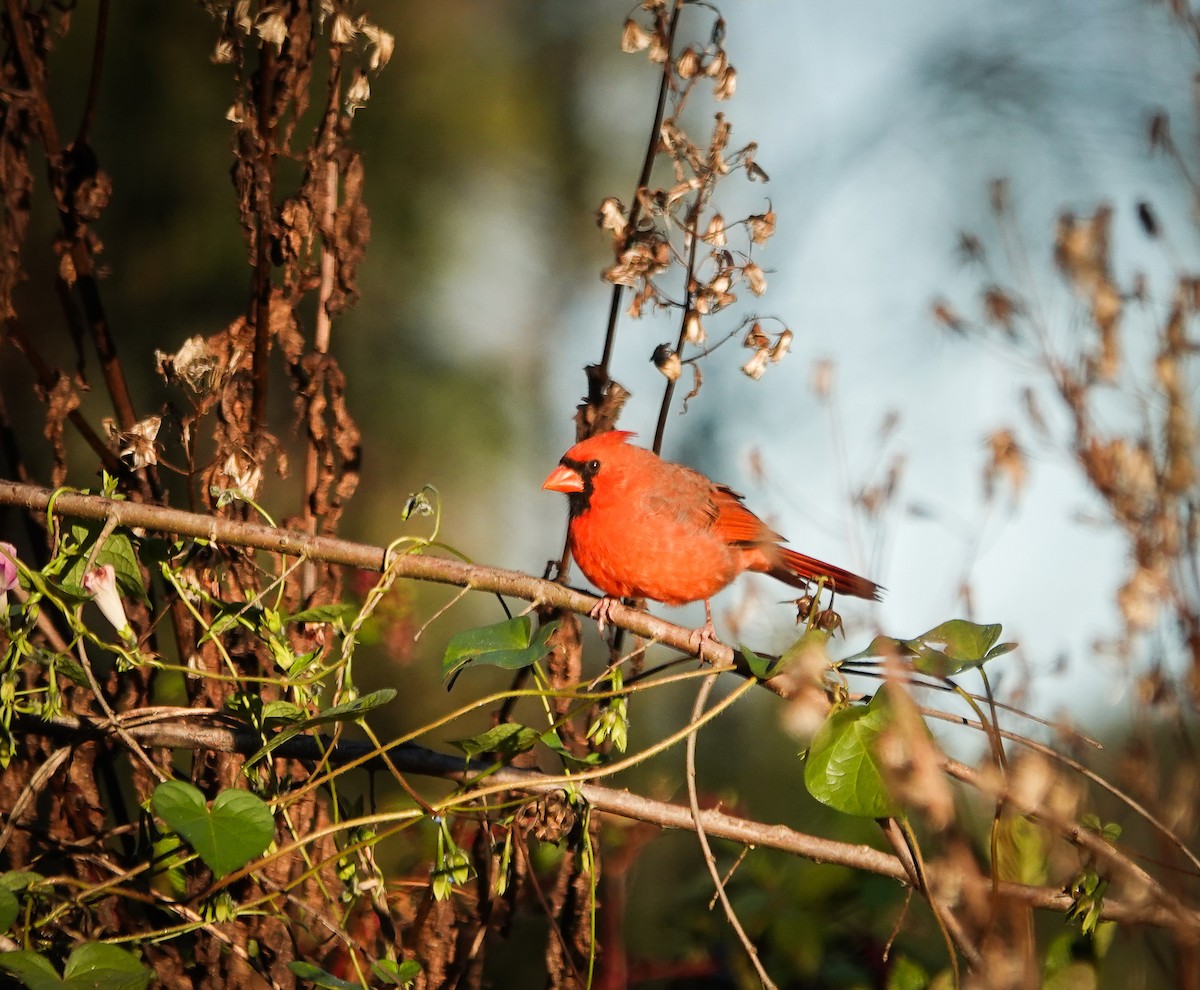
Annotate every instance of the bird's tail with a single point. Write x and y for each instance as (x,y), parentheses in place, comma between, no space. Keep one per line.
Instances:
(798,571)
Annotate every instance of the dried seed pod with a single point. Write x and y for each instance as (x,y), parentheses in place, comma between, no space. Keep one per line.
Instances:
(667,361)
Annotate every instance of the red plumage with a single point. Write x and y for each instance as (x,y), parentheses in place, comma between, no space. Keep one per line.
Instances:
(642,527)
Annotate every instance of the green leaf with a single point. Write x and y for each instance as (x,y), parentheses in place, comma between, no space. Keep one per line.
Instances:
(238,828)
(760,667)
(881,646)
(397,974)
(351,709)
(230,614)
(319,978)
(92,966)
(32,969)
(10,907)
(506,739)
(117,550)
(946,649)
(550,739)
(334,614)
(906,975)
(280,712)
(510,645)
(843,769)
(346,711)
(105,967)
(63,663)
(20,880)
(168,876)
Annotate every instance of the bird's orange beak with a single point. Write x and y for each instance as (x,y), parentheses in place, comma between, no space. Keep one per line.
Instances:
(563,479)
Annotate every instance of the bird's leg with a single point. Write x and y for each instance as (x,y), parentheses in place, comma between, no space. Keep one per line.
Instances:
(707,633)
(602,612)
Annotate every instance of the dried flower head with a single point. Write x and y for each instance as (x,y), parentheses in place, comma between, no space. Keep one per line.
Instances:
(783,344)
(272,28)
(611,216)
(358,94)
(757,365)
(755,337)
(194,364)
(762,226)
(754,278)
(726,84)
(138,445)
(688,65)
(822,378)
(667,361)
(634,37)
(714,234)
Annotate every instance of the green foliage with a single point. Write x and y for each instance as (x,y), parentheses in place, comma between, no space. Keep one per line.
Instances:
(843,769)
(509,645)
(506,740)
(117,550)
(90,966)
(238,827)
(9,909)
(346,711)
(906,974)
(389,972)
(945,650)
(451,865)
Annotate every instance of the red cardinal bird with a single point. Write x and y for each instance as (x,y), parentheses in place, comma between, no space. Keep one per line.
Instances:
(642,527)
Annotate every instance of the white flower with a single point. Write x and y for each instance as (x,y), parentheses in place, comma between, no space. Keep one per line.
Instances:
(101,584)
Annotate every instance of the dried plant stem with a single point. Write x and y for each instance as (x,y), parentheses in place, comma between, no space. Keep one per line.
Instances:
(710,861)
(85,277)
(660,107)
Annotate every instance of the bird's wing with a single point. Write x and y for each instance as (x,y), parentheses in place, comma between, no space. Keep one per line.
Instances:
(684,496)
(688,497)
(737,524)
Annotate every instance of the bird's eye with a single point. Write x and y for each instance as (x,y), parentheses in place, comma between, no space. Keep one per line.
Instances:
(592,466)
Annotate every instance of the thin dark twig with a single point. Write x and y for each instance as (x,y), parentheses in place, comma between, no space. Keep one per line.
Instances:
(669,390)
(93,93)
(81,258)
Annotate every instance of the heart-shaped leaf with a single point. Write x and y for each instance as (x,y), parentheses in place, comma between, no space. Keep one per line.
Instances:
(92,966)
(117,550)
(238,828)
(843,769)
(400,974)
(105,967)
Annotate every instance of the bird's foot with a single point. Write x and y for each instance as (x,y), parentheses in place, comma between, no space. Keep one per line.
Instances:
(705,634)
(602,612)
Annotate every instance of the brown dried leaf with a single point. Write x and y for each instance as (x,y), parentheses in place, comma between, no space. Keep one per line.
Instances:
(61,401)
(1007,461)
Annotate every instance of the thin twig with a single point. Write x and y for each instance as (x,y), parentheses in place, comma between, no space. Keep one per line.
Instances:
(710,861)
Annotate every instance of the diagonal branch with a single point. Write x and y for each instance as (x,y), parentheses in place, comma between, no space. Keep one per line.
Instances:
(190,731)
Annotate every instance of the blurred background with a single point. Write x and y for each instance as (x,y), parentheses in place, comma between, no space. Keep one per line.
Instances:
(489,142)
